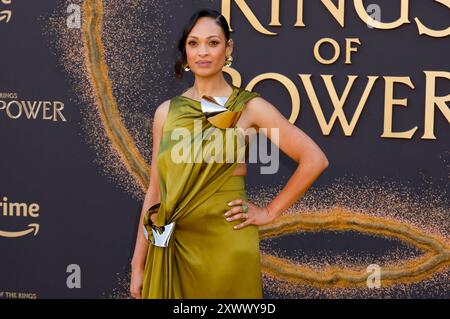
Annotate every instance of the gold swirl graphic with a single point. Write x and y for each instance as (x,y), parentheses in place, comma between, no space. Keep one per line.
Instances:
(437,251)
(106,103)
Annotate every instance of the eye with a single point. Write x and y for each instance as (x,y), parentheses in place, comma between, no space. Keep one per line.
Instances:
(215,42)
(191,43)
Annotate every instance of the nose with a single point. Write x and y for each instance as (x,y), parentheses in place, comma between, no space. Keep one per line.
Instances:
(203,50)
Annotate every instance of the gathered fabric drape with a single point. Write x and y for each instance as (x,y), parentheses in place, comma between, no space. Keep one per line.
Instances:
(206,257)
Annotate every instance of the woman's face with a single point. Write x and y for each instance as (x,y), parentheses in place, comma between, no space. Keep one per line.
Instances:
(206,42)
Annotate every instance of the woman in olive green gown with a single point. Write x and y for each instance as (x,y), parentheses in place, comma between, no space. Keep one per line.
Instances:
(196,252)
(206,257)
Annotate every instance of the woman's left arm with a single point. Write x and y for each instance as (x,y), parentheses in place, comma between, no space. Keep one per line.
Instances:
(294,143)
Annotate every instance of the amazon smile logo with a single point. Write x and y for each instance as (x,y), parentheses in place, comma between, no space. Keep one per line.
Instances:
(23,211)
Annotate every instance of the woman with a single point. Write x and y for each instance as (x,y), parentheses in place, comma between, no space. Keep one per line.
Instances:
(209,246)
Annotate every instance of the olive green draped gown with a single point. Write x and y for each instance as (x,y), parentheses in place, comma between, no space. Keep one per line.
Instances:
(206,257)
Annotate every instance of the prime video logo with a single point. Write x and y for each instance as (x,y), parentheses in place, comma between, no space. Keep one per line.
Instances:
(226,146)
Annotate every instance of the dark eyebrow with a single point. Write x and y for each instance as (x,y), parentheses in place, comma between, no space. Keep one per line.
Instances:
(211,36)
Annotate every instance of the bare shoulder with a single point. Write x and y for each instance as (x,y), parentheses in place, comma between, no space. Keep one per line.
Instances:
(256,103)
(162,109)
(261,112)
(161,113)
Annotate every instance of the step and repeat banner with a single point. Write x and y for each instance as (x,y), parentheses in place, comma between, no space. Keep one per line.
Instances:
(368,81)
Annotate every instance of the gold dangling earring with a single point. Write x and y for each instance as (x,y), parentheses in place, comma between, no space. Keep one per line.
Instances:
(228,61)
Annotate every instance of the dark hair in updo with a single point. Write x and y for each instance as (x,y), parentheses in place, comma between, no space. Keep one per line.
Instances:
(218,18)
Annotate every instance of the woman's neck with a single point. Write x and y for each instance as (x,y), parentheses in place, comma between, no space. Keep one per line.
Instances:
(210,87)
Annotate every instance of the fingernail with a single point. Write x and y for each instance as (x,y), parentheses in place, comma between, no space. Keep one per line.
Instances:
(229,204)
(229,218)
